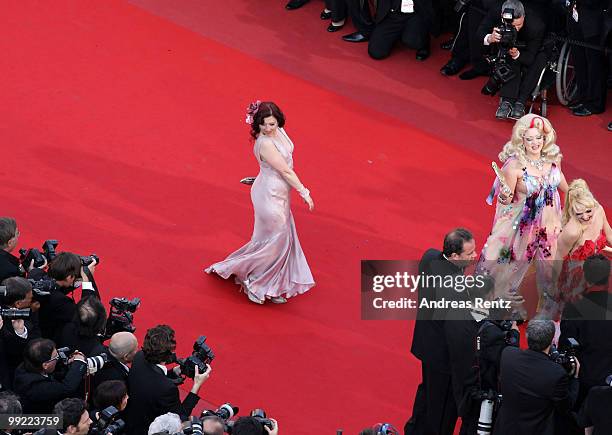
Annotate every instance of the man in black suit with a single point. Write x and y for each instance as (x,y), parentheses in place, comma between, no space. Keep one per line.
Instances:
(406,20)
(524,63)
(588,321)
(9,264)
(596,410)
(434,410)
(121,352)
(58,309)
(152,391)
(34,382)
(535,389)
(18,332)
(586,24)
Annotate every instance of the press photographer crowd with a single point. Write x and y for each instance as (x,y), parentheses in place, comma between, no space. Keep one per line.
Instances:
(519,47)
(75,360)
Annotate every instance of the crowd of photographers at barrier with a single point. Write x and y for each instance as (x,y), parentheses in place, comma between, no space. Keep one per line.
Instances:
(474,368)
(69,358)
(508,41)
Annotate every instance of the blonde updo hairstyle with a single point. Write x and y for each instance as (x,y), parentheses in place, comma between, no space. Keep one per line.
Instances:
(551,153)
(577,194)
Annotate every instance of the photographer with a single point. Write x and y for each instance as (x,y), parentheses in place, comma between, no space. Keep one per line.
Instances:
(9,264)
(533,387)
(250,426)
(15,333)
(153,388)
(595,412)
(585,321)
(111,393)
(86,328)
(9,404)
(75,418)
(514,70)
(58,308)
(121,352)
(34,381)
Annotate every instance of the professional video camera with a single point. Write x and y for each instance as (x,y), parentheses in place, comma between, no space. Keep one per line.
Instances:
(120,317)
(108,422)
(501,72)
(94,363)
(567,357)
(14,313)
(201,356)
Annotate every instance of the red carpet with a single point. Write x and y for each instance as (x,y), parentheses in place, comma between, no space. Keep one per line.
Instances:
(123,134)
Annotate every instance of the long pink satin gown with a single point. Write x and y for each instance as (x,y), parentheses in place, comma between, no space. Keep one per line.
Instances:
(272,264)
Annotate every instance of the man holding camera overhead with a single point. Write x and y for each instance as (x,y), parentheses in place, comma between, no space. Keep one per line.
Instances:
(153,388)
(515,65)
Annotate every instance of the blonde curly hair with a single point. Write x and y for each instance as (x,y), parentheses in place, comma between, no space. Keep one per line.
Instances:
(551,152)
(577,194)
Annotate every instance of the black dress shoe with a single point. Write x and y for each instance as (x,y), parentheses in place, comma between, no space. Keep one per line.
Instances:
(325,15)
(295,4)
(452,67)
(610,126)
(471,74)
(447,45)
(582,111)
(333,28)
(422,54)
(573,105)
(355,37)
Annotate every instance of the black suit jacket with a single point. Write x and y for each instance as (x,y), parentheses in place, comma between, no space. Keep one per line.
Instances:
(533,389)
(15,345)
(428,341)
(113,370)
(596,410)
(152,394)
(9,265)
(594,335)
(56,311)
(531,34)
(39,394)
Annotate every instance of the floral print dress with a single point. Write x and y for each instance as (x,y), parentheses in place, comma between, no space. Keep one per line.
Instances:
(523,231)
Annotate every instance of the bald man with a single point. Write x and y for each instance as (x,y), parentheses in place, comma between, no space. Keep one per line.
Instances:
(121,350)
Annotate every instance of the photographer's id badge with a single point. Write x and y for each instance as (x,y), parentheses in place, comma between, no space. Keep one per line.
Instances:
(575,13)
(407,6)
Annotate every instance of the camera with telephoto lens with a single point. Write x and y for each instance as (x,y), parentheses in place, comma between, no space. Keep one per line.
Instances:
(260,415)
(87,260)
(15,313)
(94,363)
(501,71)
(121,317)
(48,251)
(567,356)
(201,356)
(108,422)
(225,412)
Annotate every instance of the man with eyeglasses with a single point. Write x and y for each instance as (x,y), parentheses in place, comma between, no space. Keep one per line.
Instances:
(35,380)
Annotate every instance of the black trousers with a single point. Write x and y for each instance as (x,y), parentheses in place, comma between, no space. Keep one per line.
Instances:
(411,29)
(590,67)
(434,411)
(525,80)
(468,47)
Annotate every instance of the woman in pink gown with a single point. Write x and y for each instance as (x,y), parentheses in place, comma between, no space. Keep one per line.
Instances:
(586,232)
(272,265)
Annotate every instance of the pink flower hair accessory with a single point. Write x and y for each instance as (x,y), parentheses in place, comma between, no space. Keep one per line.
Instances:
(251,111)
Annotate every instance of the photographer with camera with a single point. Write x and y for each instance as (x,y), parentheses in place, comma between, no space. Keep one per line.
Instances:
(9,264)
(86,329)
(68,273)
(34,378)
(252,426)
(20,325)
(121,352)
(535,389)
(515,66)
(585,321)
(153,387)
(75,417)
